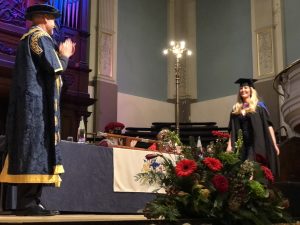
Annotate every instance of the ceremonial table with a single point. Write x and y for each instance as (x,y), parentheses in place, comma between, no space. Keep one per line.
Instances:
(87,184)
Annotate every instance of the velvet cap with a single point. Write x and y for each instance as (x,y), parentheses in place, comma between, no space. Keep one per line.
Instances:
(246,82)
(41,9)
(114,125)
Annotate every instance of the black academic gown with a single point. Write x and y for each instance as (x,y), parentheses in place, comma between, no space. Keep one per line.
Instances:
(33,122)
(263,146)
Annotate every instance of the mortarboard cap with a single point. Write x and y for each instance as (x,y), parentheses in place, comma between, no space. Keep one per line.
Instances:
(246,82)
(41,9)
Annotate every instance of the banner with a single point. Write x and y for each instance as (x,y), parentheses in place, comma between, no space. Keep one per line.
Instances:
(128,163)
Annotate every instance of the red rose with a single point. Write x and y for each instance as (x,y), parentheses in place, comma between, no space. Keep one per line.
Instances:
(185,167)
(268,173)
(220,183)
(213,163)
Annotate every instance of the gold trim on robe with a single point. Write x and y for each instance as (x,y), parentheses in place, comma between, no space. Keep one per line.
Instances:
(58,60)
(34,42)
(31,178)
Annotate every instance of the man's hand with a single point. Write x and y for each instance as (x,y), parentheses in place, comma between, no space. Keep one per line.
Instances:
(67,48)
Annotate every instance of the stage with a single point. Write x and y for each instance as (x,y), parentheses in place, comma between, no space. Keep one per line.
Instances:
(78,218)
(88,184)
(87,193)
(102,220)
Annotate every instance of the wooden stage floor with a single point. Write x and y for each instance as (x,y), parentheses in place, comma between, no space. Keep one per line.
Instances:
(94,219)
(71,217)
(75,219)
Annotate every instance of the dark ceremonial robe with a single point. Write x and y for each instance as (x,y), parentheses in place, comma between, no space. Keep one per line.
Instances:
(261,140)
(33,122)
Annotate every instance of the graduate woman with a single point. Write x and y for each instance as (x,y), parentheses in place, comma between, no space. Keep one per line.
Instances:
(252,117)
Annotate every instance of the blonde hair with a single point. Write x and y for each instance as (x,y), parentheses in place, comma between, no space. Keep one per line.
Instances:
(237,107)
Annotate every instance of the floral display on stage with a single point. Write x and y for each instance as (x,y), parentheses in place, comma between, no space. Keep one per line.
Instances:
(213,184)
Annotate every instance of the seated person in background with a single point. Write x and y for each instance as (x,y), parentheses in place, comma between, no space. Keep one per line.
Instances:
(112,128)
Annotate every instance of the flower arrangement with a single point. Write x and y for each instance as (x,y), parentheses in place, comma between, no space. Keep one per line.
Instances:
(211,183)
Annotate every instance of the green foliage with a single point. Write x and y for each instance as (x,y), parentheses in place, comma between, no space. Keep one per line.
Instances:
(171,136)
(162,208)
(239,143)
(189,152)
(228,158)
(229,190)
(258,189)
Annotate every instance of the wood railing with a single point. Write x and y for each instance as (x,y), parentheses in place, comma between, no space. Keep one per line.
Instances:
(127,141)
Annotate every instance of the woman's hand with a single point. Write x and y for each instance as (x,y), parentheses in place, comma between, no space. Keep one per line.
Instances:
(274,140)
(277,150)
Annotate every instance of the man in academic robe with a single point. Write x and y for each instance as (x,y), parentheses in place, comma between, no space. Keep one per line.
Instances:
(33,156)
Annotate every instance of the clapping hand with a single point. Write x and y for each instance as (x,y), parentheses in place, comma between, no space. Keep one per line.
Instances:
(67,48)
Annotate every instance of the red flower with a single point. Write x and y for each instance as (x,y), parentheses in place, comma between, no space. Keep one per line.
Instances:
(185,167)
(213,163)
(220,183)
(268,173)
(220,134)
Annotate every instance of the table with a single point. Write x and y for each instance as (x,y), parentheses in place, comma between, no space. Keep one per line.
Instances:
(88,184)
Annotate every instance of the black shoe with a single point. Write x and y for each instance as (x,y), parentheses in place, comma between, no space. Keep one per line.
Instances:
(55,212)
(36,211)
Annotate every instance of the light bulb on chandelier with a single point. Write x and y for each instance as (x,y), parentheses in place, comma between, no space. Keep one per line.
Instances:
(178,48)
